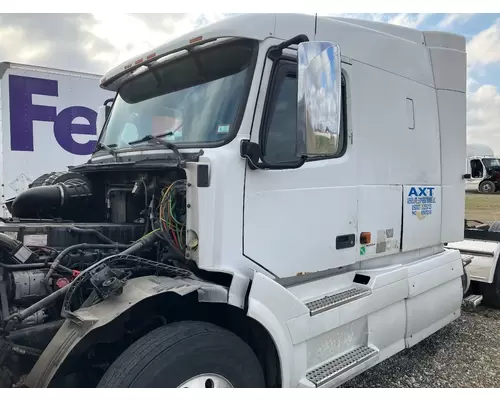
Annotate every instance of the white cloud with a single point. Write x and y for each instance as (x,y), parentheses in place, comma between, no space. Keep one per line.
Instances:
(483,116)
(27,52)
(483,101)
(130,35)
(484,48)
(90,42)
(127,36)
(454,19)
(408,20)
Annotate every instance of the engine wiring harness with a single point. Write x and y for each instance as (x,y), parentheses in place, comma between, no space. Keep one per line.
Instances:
(171,212)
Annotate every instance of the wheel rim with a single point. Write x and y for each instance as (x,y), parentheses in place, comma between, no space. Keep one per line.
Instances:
(207,381)
(487,187)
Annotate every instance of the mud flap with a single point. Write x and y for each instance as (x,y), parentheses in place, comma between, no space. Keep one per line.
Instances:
(483,255)
(95,317)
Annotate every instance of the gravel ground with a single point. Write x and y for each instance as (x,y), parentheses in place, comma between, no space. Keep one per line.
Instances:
(465,354)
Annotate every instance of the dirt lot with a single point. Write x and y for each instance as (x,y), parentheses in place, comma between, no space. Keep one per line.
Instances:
(464,354)
(482,207)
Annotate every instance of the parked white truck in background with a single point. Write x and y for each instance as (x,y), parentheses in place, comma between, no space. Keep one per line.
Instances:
(278,219)
(481,160)
(47,123)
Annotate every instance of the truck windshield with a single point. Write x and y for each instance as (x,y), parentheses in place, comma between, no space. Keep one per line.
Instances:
(491,162)
(199,97)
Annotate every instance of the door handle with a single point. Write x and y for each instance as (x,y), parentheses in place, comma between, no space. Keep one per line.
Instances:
(345,241)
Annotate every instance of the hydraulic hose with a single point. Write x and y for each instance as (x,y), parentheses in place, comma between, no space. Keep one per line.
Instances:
(22,267)
(95,232)
(27,267)
(81,246)
(8,243)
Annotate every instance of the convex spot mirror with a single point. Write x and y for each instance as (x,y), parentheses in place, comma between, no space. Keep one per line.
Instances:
(318,99)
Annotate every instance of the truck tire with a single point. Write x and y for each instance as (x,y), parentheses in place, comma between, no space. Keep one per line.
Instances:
(186,354)
(487,187)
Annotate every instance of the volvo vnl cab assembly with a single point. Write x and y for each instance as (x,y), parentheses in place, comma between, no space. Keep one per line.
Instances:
(267,206)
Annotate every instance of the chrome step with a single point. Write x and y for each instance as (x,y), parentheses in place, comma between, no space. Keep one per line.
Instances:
(473,300)
(321,375)
(331,301)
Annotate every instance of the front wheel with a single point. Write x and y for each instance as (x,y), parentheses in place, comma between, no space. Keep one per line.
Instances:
(487,187)
(186,354)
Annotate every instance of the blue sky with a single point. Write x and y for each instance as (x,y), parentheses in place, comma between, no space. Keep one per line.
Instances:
(97,42)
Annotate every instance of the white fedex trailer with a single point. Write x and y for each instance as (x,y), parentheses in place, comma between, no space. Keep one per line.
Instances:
(47,122)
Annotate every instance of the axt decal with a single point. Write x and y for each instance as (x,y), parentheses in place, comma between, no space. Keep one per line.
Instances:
(23,112)
(421,200)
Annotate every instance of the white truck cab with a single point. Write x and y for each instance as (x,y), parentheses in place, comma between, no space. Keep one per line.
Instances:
(323,169)
(480,165)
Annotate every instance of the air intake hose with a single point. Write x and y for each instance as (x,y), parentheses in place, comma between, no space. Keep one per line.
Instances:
(63,200)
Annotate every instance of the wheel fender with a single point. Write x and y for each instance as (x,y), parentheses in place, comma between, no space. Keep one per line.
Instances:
(92,318)
(272,305)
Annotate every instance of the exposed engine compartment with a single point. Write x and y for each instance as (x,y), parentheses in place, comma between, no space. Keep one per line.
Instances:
(75,238)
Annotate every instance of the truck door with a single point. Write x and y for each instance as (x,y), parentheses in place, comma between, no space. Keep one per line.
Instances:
(477,171)
(300,220)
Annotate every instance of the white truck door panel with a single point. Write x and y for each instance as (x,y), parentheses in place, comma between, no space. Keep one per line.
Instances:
(281,224)
(282,207)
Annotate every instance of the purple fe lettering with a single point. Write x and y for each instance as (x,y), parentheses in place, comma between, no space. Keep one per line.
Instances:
(23,112)
(64,128)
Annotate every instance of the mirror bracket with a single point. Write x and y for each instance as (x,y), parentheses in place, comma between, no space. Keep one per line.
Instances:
(108,104)
(275,52)
(252,153)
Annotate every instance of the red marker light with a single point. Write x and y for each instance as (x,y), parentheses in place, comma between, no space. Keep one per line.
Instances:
(151,56)
(196,39)
(139,61)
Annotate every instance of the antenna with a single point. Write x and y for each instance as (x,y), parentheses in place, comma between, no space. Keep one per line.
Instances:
(315,25)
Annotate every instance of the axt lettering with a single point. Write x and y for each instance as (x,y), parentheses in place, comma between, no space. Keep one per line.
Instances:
(421,192)
(23,112)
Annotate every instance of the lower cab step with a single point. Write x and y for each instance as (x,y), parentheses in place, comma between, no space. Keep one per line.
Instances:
(473,300)
(337,299)
(326,372)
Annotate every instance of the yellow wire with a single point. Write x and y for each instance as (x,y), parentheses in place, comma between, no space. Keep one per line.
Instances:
(171,223)
(150,233)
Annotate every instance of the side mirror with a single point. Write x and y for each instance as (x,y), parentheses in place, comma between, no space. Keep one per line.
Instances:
(318,99)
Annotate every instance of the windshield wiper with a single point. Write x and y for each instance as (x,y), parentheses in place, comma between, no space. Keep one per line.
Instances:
(108,148)
(147,138)
(167,144)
